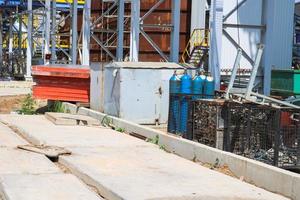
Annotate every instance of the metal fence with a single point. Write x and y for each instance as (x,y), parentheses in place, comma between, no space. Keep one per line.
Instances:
(263,133)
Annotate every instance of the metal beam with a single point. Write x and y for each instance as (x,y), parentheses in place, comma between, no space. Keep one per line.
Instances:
(135,31)
(74,32)
(103,14)
(29,41)
(215,50)
(86,34)
(20,34)
(152,43)
(233,10)
(1,41)
(47,26)
(53,33)
(250,60)
(262,27)
(156,5)
(103,47)
(10,43)
(120,41)
(175,33)
(254,72)
(234,72)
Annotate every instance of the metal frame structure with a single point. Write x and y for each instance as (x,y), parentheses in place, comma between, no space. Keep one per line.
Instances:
(274,14)
(45,33)
(137,28)
(174,27)
(247,94)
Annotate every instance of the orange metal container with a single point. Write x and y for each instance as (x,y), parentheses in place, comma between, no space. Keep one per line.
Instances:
(59,82)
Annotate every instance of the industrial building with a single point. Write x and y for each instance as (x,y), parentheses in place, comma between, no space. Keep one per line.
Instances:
(149,99)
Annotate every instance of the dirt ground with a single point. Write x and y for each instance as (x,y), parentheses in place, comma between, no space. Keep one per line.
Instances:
(10,104)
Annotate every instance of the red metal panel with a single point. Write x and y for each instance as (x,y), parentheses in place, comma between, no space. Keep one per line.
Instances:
(61,83)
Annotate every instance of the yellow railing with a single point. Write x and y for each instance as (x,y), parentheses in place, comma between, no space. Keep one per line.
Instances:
(199,37)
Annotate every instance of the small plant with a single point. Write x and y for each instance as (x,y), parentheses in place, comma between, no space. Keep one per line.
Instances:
(28,106)
(162,147)
(57,106)
(106,121)
(154,140)
(121,130)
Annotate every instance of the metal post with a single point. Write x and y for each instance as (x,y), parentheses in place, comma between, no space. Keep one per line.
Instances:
(121,10)
(74,32)
(86,35)
(10,43)
(215,51)
(20,34)
(47,27)
(53,33)
(174,54)
(1,41)
(234,72)
(277,137)
(29,41)
(135,31)
(254,72)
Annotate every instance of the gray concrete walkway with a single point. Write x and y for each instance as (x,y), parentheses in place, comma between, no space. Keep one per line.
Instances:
(30,176)
(123,167)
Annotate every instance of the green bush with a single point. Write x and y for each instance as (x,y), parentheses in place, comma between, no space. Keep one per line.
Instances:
(28,106)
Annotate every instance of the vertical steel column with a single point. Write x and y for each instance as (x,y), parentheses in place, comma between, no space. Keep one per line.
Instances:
(174,54)
(10,43)
(20,34)
(135,30)
(121,12)
(53,33)
(74,32)
(47,27)
(86,35)
(215,51)
(29,41)
(278,17)
(1,41)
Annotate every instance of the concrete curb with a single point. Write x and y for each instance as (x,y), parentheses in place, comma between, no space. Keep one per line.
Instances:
(262,175)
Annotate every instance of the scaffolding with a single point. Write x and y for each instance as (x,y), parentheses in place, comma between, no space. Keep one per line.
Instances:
(46,32)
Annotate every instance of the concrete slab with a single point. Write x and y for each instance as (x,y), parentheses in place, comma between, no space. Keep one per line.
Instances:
(254,172)
(14,161)
(39,131)
(149,173)
(71,119)
(44,187)
(9,138)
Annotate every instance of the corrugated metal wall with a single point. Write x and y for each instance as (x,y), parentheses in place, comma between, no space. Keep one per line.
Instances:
(162,15)
(278,37)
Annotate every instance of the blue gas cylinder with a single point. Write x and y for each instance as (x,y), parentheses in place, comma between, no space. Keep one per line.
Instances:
(174,84)
(198,85)
(209,88)
(185,91)
(173,121)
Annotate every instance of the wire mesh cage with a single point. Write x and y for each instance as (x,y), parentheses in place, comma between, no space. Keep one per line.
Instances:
(207,122)
(263,133)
